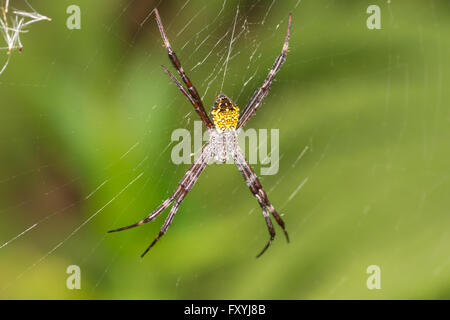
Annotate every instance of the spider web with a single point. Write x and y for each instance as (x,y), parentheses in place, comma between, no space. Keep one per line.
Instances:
(86,145)
(201,50)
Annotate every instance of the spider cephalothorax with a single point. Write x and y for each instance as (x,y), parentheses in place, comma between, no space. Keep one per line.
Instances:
(225,113)
(222,143)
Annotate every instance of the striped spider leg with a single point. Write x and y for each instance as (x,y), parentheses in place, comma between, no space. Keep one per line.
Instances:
(259,95)
(185,185)
(258,191)
(193,95)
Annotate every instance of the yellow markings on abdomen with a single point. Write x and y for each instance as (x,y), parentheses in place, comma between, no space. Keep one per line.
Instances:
(225,114)
(226,119)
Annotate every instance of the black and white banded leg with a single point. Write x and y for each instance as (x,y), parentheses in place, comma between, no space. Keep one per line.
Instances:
(193,93)
(257,98)
(257,190)
(185,185)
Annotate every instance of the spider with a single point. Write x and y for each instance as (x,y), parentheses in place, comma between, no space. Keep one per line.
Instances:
(223,131)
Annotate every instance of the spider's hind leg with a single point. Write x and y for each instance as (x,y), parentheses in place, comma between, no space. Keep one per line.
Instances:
(188,182)
(185,185)
(273,212)
(155,213)
(261,195)
(257,190)
(269,226)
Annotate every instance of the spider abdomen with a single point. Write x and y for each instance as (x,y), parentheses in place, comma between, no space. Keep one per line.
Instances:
(225,113)
(223,144)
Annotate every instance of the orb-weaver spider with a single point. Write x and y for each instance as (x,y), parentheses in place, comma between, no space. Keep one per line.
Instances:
(223,130)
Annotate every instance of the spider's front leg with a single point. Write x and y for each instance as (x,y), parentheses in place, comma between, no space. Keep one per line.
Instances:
(258,97)
(191,93)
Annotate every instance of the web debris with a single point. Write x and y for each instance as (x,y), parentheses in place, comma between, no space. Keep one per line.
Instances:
(12,24)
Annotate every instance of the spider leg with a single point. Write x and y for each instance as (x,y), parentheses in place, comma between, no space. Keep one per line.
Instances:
(256,188)
(277,217)
(183,90)
(176,63)
(269,225)
(168,221)
(257,98)
(259,190)
(185,185)
(155,213)
(262,204)
(189,183)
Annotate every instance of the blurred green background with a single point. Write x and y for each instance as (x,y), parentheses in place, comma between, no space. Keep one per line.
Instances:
(85,112)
